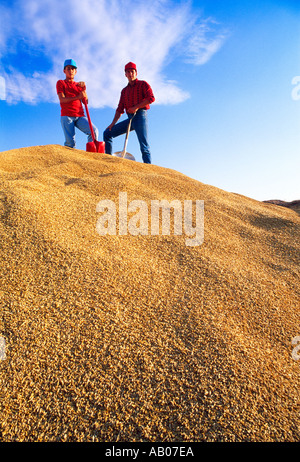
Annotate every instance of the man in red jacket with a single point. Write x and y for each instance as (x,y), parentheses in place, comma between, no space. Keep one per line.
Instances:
(70,94)
(135,98)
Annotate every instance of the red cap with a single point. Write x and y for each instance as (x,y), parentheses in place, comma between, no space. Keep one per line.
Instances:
(130,66)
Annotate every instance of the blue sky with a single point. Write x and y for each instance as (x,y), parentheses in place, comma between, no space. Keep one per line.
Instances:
(226,76)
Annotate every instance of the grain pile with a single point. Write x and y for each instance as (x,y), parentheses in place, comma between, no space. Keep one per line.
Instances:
(141,338)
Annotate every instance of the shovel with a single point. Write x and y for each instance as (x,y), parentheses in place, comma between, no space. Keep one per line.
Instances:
(123,154)
(93,146)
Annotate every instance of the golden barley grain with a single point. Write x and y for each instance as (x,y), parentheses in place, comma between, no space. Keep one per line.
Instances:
(141,338)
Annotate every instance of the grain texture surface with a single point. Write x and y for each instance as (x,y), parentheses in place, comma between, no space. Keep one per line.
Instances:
(142,338)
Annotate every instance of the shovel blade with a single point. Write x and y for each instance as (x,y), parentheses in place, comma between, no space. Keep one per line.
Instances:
(95,146)
(121,154)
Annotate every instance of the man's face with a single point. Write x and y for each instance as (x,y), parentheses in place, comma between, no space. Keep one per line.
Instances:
(131,75)
(70,72)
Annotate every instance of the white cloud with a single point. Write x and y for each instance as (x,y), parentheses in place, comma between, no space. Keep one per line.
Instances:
(2,89)
(102,35)
(205,40)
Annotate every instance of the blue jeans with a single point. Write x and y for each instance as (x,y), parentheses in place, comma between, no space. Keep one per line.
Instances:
(140,125)
(68,125)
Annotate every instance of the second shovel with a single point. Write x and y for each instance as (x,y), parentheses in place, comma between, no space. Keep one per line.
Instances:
(123,154)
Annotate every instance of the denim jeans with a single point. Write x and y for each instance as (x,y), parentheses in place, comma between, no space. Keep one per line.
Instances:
(68,125)
(139,125)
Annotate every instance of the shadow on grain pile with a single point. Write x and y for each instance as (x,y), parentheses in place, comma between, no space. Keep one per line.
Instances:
(141,338)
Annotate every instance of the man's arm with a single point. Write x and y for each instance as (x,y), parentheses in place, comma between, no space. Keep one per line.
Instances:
(64,100)
(140,105)
(115,120)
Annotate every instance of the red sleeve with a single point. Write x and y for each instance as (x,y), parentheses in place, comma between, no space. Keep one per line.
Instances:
(148,93)
(121,105)
(60,87)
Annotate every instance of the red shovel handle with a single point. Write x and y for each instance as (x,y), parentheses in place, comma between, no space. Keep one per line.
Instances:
(89,119)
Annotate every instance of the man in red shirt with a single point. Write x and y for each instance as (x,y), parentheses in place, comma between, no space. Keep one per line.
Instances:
(70,94)
(135,98)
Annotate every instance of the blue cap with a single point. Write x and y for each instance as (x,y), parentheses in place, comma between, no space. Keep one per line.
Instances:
(70,62)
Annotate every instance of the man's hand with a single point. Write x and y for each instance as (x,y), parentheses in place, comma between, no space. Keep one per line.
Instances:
(110,126)
(83,96)
(115,120)
(132,110)
(141,105)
